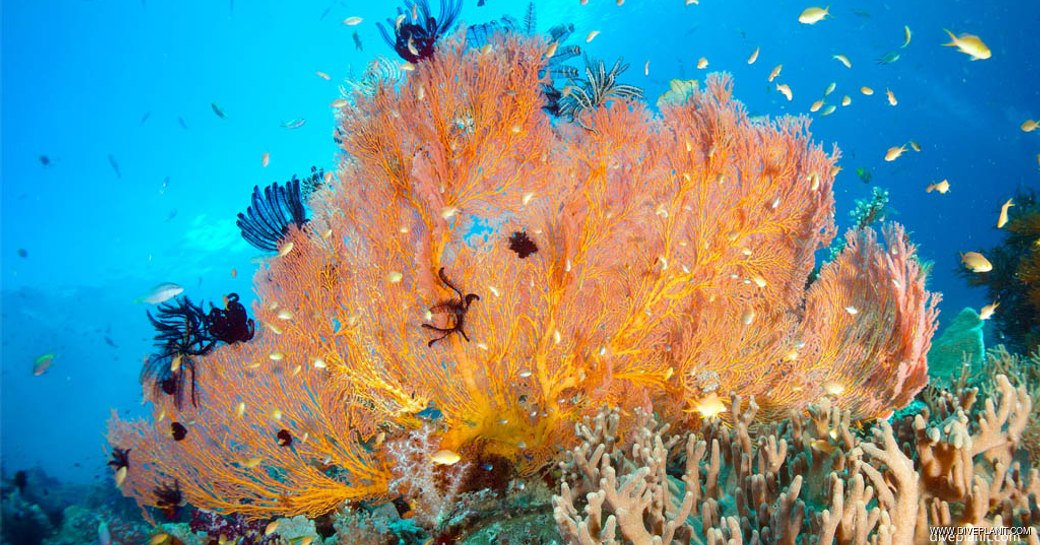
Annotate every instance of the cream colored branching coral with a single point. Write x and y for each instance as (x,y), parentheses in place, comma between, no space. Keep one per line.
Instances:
(961,461)
(808,480)
(651,259)
(631,501)
(1021,370)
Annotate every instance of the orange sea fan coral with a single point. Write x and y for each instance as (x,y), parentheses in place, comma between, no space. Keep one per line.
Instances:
(870,321)
(671,260)
(235,456)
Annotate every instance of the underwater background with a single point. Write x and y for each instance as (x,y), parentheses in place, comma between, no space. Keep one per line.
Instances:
(133,131)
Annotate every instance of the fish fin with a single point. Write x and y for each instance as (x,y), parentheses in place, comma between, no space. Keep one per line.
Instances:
(953,38)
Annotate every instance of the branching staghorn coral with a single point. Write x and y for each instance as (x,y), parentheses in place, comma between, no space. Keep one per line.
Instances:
(672,259)
(812,480)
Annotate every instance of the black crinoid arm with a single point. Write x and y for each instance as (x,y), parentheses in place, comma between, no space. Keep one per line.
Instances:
(181,334)
(230,324)
(266,222)
(169,498)
(120,458)
(554,68)
(599,87)
(415,40)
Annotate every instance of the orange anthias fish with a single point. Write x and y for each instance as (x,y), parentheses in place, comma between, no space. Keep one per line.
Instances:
(710,406)
(942,187)
(891,97)
(813,15)
(976,262)
(42,364)
(445,457)
(1003,218)
(776,72)
(970,45)
(987,311)
(894,152)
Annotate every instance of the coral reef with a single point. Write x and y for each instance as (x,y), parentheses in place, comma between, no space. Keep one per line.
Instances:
(814,479)
(1021,371)
(229,528)
(77,523)
(23,521)
(39,509)
(355,526)
(672,259)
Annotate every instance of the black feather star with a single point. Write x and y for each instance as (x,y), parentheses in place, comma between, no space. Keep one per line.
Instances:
(266,222)
(181,335)
(169,498)
(552,69)
(415,40)
(120,458)
(520,243)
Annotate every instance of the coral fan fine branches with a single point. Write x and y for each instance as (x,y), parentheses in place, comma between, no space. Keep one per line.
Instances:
(672,256)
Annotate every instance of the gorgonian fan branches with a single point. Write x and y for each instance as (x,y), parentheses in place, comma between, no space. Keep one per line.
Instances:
(555,57)
(661,259)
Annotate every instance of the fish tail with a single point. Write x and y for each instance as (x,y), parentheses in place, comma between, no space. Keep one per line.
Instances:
(953,38)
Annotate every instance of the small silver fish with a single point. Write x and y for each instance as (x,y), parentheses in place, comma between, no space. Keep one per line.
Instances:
(293,123)
(161,293)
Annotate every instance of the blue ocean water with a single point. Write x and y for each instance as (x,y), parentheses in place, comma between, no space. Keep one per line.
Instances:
(117,174)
